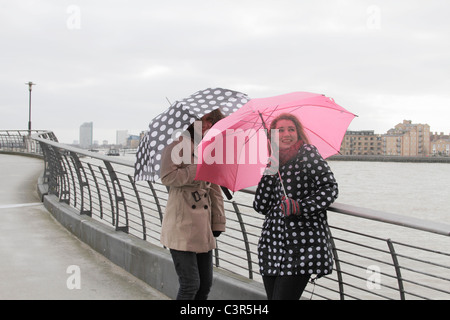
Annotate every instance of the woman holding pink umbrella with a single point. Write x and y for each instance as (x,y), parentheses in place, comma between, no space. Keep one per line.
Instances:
(294,243)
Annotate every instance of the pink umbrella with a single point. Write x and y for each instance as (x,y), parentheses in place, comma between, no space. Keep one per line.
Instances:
(234,152)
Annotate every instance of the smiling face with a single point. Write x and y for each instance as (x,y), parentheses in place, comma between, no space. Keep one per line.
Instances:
(287,133)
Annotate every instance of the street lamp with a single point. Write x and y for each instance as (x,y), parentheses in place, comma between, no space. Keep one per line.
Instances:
(30,84)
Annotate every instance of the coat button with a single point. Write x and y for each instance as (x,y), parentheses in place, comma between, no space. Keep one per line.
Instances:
(206,207)
(193,206)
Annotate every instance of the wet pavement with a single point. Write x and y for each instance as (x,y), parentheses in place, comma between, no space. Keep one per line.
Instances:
(40,259)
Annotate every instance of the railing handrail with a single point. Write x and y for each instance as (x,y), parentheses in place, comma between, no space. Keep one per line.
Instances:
(392,218)
(361,212)
(20,131)
(84,152)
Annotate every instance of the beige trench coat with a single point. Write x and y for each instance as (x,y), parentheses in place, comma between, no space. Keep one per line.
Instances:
(194,208)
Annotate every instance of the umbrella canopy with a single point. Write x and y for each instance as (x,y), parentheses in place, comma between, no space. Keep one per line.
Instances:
(168,126)
(234,153)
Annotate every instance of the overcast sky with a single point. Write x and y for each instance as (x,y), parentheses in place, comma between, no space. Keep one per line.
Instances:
(116,63)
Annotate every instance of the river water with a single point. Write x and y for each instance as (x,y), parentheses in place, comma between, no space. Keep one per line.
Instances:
(420,190)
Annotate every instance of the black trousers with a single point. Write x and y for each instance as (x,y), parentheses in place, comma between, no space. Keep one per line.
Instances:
(195,274)
(285,287)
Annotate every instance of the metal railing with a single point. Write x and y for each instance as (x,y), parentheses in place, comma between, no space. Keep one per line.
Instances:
(20,141)
(378,255)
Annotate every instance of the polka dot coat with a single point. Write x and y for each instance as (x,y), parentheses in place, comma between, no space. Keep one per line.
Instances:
(297,245)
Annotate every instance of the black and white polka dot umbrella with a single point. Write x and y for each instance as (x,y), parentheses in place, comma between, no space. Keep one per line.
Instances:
(169,125)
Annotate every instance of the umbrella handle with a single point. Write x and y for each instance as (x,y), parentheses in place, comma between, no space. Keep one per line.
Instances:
(268,140)
(227,193)
(282,184)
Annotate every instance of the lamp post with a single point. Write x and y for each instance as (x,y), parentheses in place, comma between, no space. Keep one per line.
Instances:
(30,84)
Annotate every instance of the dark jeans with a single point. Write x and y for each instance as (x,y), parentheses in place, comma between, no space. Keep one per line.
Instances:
(195,274)
(285,287)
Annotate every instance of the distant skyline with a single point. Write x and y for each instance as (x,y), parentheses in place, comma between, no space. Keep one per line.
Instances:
(113,141)
(117,64)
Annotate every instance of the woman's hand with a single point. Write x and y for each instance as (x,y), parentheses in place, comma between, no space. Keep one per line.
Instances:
(289,207)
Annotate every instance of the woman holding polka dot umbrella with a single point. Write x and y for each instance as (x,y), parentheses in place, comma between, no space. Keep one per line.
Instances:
(169,125)
(194,215)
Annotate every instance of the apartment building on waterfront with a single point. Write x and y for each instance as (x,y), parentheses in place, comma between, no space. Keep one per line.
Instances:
(440,145)
(405,139)
(361,143)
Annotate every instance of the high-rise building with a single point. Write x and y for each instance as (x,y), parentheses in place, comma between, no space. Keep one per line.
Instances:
(364,142)
(86,134)
(121,137)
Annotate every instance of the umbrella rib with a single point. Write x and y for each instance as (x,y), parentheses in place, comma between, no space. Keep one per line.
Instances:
(273,111)
(317,135)
(253,123)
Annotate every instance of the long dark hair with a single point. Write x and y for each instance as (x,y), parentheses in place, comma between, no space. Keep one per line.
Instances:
(214,116)
(287,116)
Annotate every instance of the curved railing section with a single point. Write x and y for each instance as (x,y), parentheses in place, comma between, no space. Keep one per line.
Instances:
(378,255)
(20,141)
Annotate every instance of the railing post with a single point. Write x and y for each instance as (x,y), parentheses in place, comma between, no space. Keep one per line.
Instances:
(46,174)
(118,193)
(83,183)
(156,201)
(141,209)
(111,200)
(57,182)
(397,269)
(52,171)
(99,194)
(337,263)
(216,255)
(246,243)
(67,169)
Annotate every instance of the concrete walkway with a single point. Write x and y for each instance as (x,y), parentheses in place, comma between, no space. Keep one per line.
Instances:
(39,259)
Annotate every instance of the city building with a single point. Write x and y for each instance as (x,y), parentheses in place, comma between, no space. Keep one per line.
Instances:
(121,137)
(440,145)
(392,144)
(86,134)
(364,142)
(405,139)
(408,139)
(133,141)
